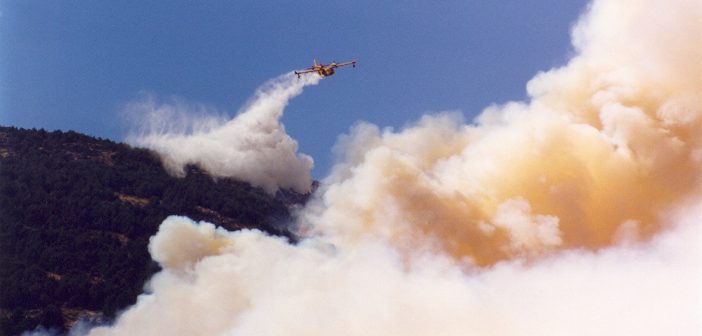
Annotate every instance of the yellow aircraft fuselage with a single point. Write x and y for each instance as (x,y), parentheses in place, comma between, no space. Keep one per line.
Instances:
(324,70)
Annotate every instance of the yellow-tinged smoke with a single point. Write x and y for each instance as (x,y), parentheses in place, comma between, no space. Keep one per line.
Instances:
(606,143)
(577,213)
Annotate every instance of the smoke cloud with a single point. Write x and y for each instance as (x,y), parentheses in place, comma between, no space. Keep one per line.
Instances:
(606,143)
(575,213)
(247,283)
(253,146)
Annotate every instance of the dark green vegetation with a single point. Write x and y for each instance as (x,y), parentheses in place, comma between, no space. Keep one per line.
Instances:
(76,214)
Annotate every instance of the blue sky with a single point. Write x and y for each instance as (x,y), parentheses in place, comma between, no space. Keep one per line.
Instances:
(73,65)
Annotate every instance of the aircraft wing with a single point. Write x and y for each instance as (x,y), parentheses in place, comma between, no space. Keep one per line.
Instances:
(347,63)
(303,71)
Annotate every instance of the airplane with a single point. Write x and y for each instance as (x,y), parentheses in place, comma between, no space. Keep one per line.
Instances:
(324,70)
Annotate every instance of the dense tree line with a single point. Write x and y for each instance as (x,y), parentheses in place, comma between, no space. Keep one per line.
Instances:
(76,214)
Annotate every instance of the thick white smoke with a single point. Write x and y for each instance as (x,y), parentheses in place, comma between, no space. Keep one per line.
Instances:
(252,147)
(576,213)
(247,283)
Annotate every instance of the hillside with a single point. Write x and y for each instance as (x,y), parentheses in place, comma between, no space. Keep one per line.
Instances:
(77,212)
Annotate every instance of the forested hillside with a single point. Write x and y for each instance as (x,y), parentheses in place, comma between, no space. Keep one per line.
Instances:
(76,214)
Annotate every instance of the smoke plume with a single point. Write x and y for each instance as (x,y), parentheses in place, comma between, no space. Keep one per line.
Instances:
(252,147)
(247,283)
(606,143)
(574,213)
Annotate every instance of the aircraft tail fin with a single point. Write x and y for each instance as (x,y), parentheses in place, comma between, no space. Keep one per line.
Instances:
(315,62)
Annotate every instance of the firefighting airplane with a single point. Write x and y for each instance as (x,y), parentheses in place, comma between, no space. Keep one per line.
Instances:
(324,70)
